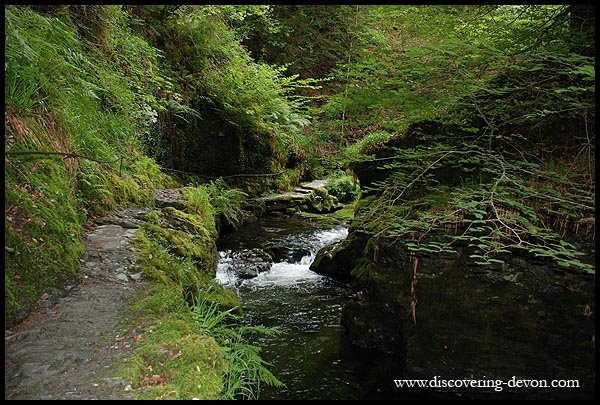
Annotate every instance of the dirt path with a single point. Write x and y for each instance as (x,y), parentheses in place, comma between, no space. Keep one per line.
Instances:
(71,350)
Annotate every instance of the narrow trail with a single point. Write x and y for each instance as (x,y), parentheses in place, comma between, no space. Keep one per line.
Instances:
(72,350)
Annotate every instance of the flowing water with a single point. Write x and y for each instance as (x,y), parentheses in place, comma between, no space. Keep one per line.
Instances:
(308,356)
(311,355)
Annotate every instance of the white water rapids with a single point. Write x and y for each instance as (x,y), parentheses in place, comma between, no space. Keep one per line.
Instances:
(281,273)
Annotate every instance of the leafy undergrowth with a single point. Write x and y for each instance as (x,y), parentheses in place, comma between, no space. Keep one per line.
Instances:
(173,359)
(194,345)
(509,179)
(544,211)
(505,172)
(67,95)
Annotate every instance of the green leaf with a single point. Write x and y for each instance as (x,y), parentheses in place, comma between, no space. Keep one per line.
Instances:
(496,261)
(588,71)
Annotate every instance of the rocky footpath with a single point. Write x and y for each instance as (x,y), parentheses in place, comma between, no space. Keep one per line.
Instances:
(71,346)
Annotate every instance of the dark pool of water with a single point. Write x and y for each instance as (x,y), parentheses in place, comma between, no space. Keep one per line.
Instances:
(309,355)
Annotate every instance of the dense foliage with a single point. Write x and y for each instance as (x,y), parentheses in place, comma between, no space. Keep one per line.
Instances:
(478,122)
(224,103)
(65,93)
(83,94)
(509,165)
(189,312)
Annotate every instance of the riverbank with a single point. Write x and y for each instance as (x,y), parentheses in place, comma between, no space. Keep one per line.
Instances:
(146,321)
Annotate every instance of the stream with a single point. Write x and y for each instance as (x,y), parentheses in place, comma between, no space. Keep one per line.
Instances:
(311,355)
(308,356)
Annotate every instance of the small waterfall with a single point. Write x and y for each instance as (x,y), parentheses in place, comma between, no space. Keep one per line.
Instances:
(281,272)
(267,264)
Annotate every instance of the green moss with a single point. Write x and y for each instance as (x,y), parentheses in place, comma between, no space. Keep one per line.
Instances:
(162,299)
(187,361)
(321,201)
(153,217)
(345,214)
(198,247)
(190,349)
(147,174)
(198,203)
(174,359)
(224,298)
(193,223)
(42,230)
(185,256)
(160,264)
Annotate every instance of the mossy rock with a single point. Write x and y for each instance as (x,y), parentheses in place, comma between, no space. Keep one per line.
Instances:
(196,201)
(188,362)
(191,223)
(463,309)
(338,260)
(200,247)
(226,299)
(345,213)
(321,201)
(153,217)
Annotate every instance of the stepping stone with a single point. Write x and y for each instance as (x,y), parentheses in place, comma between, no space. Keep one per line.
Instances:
(167,198)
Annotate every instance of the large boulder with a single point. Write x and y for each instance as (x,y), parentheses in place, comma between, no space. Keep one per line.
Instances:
(449,317)
(339,259)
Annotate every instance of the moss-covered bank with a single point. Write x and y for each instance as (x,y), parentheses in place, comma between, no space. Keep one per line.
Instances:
(194,344)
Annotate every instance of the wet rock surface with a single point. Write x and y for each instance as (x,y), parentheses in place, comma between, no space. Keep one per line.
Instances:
(338,260)
(457,319)
(281,253)
(249,263)
(308,197)
(71,349)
